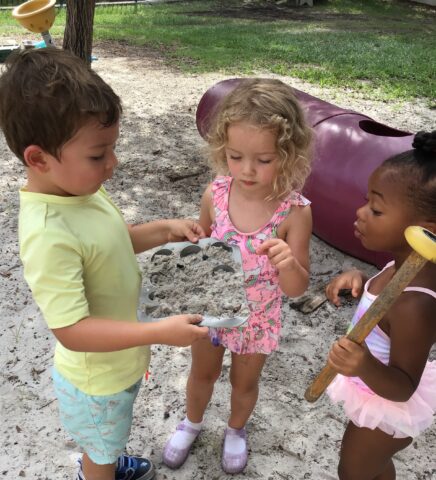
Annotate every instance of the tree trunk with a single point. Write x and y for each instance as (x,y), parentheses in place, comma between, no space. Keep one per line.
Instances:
(78,28)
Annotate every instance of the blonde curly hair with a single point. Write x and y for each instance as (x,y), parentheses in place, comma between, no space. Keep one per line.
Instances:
(268,104)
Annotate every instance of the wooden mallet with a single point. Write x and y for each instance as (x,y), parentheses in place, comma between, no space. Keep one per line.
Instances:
(423,243)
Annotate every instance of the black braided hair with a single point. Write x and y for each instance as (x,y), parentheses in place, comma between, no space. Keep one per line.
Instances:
(425,142)
(418,173)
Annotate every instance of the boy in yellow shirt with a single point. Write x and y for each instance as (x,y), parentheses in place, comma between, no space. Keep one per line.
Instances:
(62,121)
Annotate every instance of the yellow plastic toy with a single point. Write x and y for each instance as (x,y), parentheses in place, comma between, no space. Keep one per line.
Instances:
(37,16)
(422,241)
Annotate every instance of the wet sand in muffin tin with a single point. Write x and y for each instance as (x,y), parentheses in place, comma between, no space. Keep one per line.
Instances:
(196,279)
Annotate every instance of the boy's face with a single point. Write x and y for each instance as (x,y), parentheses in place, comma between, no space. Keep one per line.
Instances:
(85,162)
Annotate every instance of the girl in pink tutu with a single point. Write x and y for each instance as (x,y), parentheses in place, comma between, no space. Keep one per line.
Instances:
(388,384)
(259,145)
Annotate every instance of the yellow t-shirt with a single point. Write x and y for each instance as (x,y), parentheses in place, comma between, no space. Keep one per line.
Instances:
(79,261)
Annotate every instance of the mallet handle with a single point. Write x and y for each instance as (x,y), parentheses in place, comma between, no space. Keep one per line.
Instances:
(371,317)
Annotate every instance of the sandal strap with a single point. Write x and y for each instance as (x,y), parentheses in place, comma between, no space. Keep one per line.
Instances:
(186,428)
(236,433)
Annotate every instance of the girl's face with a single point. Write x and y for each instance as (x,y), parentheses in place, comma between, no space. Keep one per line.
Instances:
(252,157)
(382,220)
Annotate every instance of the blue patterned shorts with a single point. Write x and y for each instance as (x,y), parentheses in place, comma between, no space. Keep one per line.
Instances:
(100,425)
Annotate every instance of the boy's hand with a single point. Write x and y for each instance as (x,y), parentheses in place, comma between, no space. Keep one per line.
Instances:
(352,280)
(181,330)
(180,230)
(279,253)
(349,358)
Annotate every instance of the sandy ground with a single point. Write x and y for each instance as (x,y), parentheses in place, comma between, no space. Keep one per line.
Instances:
(159,145)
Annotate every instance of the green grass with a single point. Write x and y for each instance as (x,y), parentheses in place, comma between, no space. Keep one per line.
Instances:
(383,48)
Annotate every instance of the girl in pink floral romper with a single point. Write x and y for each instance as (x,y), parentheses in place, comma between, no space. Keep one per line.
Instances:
(264,296)
(259,143)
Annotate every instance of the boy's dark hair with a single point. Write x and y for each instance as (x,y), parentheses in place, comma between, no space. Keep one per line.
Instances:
(47,95)
(417,170)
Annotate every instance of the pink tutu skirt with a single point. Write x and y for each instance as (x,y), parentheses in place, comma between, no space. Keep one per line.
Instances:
(399,419)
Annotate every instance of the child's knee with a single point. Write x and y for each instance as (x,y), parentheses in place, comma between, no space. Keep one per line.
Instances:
(242,387)
(342,471)
(346,471)
(208,378)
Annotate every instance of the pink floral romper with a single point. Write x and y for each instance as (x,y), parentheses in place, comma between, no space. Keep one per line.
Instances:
(260,334)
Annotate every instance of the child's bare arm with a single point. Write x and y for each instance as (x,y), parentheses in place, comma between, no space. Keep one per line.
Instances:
(412,332)
(353,360)
(207,213)
(152,234)
(353,280)
(93,334)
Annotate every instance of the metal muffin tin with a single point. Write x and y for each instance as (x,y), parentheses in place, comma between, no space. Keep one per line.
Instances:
(184,249)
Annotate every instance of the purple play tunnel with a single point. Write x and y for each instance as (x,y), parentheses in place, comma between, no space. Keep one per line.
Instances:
(349,146)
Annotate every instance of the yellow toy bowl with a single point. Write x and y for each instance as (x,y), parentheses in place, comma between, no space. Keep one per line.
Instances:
(423,241)
(36,15)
